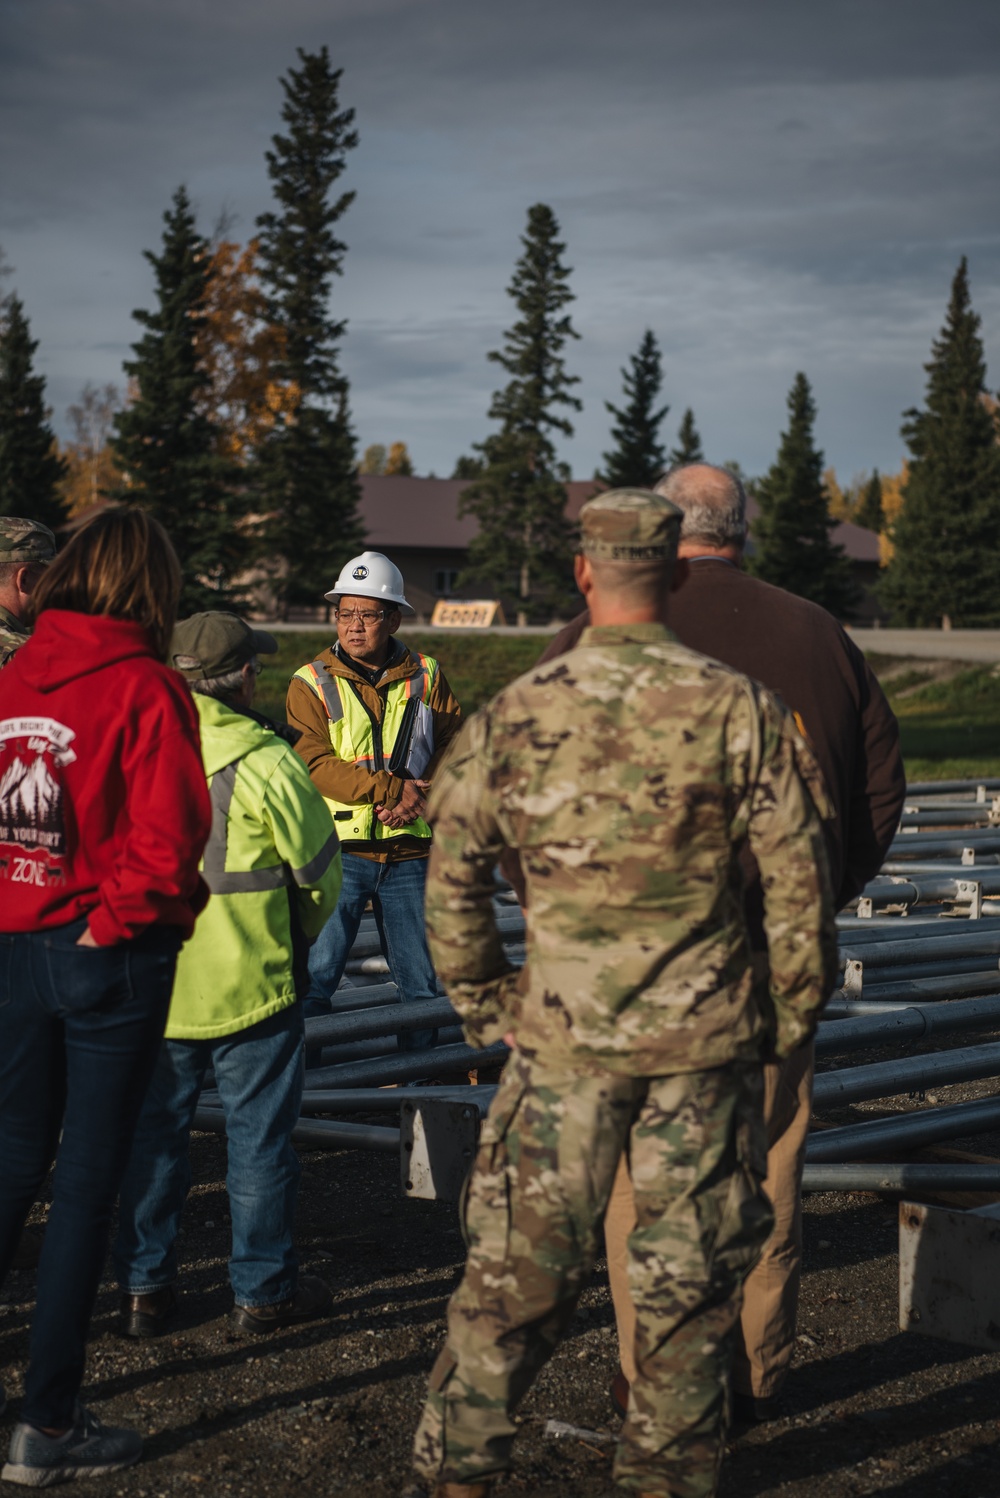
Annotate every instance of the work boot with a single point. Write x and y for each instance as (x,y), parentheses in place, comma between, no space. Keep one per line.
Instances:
(312,1298)
(750,1409)
(147,1315)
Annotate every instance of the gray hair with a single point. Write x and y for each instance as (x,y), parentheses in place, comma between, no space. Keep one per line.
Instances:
(714,502)
(223,687)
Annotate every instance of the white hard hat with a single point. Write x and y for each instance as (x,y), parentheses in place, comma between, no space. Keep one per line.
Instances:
(371,575)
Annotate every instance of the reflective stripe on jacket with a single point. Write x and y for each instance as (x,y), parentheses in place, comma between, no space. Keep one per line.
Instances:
(402,742)
(272,863)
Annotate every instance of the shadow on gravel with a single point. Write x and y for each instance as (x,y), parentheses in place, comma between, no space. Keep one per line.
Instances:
(845,1374)
(971,1476)
(226,1421)
(848,1438)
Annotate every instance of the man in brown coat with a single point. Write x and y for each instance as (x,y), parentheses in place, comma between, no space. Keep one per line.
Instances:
(800,651)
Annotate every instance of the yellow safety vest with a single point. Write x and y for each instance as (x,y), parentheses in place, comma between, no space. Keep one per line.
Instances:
(403,743)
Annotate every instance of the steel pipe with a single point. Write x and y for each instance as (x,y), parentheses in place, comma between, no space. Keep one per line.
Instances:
(364,1050)
(880,1079)
(411,1066)
(956,816)
(318,1134)
(944,844)
(913,869)
(889,933)
(390,1099)
(890,998)
(949,787)
(369,1024)
(367,996)
(911,1023)
(923,949)
(900,1180)
(904,1131)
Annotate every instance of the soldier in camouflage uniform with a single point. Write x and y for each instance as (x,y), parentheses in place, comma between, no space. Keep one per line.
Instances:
(26,547)
(627,774)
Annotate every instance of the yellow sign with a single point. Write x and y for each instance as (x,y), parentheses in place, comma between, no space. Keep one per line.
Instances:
(478,614)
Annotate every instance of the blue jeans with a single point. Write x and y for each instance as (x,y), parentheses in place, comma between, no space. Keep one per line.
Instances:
(259,1073)
(79,1032)
(396,891)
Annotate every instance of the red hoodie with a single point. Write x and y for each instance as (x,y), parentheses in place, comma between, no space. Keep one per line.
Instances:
(104,809)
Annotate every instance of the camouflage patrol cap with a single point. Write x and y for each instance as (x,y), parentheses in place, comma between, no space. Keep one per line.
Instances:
(214,643)
(25,540)
(630,525)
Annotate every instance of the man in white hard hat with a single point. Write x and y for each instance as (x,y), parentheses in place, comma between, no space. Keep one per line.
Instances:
(374,719)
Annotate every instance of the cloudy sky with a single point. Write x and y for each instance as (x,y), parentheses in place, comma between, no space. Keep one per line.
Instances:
(770,185)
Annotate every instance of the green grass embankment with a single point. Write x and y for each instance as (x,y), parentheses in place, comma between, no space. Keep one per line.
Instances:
(949,714)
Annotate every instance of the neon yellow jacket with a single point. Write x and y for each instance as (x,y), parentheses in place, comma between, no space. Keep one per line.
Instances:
(273,865)
(363,742)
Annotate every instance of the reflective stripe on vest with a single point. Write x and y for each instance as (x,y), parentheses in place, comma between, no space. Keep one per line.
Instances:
(404,743)
(249,881)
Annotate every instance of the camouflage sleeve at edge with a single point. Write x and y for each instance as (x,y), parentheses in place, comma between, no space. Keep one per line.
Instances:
(785,836)
(461,929)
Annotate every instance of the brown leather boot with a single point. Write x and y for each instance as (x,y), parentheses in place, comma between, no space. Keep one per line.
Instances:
(148,1315)
(618,1390)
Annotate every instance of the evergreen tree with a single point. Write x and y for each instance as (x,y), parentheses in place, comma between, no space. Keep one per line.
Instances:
(688,449)
(638,459)
(166,448)
(307,483)
(869,512)
(946,538)
(791,535)
(31,469)
(524,544)
(467,467)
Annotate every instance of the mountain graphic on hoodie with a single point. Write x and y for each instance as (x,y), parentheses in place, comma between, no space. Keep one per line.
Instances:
(31,813)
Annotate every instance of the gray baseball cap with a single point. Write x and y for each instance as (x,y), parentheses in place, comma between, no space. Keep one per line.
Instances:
(214,643)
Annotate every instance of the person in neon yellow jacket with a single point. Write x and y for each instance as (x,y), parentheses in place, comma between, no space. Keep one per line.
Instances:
(273,865)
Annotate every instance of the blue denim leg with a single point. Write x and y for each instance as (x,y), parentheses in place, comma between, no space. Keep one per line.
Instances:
(259,1074)
(399,914)
(158,1177)
(80,1028)
(331,949)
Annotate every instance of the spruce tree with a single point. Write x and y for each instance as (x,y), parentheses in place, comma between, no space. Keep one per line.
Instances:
(638,458)
(946,538)
(31,469)
(524,545)
(167,450)
(306,483)
(791,535)
(869,512)
(688,449)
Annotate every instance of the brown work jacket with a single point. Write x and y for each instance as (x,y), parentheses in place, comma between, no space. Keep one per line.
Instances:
(348,782)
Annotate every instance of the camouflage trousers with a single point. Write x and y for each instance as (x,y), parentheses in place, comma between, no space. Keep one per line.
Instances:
(534,1205)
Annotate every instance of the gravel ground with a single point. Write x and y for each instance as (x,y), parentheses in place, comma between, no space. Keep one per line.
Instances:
(331,1407)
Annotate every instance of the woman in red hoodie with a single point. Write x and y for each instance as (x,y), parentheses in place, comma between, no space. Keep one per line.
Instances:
(104,813)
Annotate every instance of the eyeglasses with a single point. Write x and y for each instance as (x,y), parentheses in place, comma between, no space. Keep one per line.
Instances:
(368,617)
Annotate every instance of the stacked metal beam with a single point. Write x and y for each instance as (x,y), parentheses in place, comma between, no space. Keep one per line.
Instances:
(920,955)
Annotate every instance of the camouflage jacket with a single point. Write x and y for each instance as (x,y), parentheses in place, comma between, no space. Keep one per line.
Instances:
(12,635)
(628,774)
